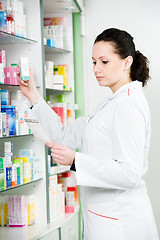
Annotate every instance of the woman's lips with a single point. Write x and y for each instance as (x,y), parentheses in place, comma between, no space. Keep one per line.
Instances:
(99,77)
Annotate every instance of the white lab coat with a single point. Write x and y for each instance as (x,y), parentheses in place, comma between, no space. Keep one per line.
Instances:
(114,142)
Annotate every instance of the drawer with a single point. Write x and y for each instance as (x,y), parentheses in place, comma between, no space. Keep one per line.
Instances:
(51,236)
(69,231)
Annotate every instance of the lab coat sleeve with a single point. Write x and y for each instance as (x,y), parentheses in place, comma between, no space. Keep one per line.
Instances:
(125,169)
(70,136)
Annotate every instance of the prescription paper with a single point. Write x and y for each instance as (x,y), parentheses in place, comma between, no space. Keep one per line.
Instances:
(37,130)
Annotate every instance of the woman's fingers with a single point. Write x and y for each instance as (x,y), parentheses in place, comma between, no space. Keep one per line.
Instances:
(50,144)
(21,82)
(57,156)
(61,154)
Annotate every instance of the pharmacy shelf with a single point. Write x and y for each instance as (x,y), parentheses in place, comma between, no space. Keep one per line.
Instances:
(54,170)
(49,49)
(62,6)
(7,38)
(16,136)
(36,231)
(11,87)
(8,85)
(11,188)
(54,91)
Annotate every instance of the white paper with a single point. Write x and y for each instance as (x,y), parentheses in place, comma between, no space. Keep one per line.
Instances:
(37,130)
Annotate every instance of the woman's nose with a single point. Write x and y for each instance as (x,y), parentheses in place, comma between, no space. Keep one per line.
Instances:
(96,68)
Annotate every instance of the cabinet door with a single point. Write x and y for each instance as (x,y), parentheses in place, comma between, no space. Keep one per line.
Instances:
(69,231)
(50,236)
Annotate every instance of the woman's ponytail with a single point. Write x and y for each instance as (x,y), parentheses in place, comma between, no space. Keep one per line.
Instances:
(139,68)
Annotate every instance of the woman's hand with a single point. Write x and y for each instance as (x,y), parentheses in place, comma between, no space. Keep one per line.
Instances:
(28,88)
(61,154)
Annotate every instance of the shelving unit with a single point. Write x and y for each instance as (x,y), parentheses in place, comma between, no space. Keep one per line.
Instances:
(33,47)
(30,47)
(58,56)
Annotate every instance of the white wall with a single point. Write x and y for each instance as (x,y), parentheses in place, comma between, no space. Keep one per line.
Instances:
(141,18)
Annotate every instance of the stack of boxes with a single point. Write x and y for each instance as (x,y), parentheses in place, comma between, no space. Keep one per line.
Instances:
(17,170)
(63,110)
(56,77)
(17,211)
(53,31)
(71,191)
(14,108)
(56,198)
(63,194)
(8,75)
(12,17)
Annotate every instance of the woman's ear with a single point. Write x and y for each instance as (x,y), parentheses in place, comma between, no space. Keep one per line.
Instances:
(128,62)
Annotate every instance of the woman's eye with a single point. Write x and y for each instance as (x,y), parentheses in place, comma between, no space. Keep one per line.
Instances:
(94,63)
(104,62)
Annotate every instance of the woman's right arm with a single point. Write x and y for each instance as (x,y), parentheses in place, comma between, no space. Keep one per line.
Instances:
(70,136)
(28,88)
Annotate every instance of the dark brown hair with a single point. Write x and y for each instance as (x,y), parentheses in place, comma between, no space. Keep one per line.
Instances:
(124,47)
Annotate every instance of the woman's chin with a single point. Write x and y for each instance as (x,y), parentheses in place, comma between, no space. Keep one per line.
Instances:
(102,84)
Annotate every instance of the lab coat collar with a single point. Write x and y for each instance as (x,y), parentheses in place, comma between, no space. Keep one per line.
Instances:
(131,85)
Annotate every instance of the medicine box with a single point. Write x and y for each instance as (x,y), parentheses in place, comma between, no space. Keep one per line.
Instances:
(4,97)
(11,113)
(1,74)
(31,209)
(1,127)
(3,58)
(24,68)
(2,180)
(7,76)
(1,163)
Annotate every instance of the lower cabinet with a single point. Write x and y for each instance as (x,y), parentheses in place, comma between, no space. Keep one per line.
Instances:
(51,236)
(69,231)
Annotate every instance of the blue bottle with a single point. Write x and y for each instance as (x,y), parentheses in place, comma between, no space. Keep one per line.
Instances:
(3,21)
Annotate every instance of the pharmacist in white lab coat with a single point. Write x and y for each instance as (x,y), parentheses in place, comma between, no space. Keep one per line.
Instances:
(114,140)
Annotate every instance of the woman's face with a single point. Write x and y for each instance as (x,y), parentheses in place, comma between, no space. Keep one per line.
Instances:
(109,69)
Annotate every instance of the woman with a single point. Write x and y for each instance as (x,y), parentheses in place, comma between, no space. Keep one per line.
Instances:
(114,141)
